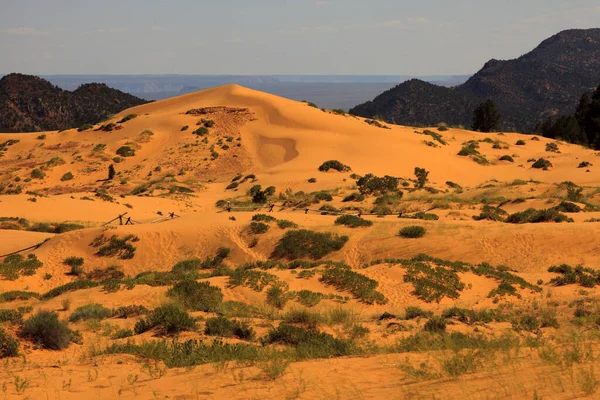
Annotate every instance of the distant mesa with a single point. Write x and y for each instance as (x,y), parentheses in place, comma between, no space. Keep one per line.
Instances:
(547,81)
(32,104)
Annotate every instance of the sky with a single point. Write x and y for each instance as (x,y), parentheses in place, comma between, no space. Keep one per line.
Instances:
(265,37)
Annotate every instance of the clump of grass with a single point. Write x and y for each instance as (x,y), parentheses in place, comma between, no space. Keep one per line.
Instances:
(308,298)
(116,246)
(435,325)
(352,221)
(278,296)
(224,327)
(491,213)
(16,265)
(258,228)
(412,232)
(90,311)
(286,224)
(129,311)
(533,216)
(309,343)
(542,164)
(169,319)
(197,296)
(344,278)
(263,218)
(46,330)
(76,264)
(128,117)
(335,165)
(304,243)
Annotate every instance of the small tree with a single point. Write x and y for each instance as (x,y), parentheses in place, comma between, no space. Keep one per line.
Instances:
(486,117)
(111,172)
(422,176)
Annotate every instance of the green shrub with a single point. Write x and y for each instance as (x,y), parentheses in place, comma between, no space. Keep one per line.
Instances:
(277,296)
(232,185)
(507,158)
(309,343)
(412,232)
(16,265)
(9,346)
(76,264)
(435,325)
(413,312)
(552,148)
(263,218)
(90,311)
(285,224)
(170,318)
(119,247)
(122,334)
(37,174)
(491,213)
(11,316)
(85,127)
(258,228)
(128,117)
(17,295)
(67,177)
(371,184)
(323,196)
(224,327)
(309,298)
(352,221)
(568,207)
(541,164)
(532,216)
(129,311)
(520,142)
(422,215)
(343,277)
(184,128)
(45,329)
(304,243)
(68,287)
(197,296)
(422,177)
(335,165)
(202,131)
(125,151)
(354,197)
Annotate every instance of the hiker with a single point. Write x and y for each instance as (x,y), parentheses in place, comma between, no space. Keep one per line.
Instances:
(172,215)
(400,214)
(228,206)
(271,207)
(359,214)
(128,222)
(121,219)
(306,211)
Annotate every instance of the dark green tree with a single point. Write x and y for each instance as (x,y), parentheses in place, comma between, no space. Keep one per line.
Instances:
(111,172)
(592,120)
(486,117)
(422,176)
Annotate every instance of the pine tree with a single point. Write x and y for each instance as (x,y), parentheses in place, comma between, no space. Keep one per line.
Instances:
(111,172)
(592,120)
(422,176)
(486,117)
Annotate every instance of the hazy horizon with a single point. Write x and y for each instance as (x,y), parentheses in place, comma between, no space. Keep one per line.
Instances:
(284,37)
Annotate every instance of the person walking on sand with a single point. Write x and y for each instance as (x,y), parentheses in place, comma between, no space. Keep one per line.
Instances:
(306,211)
(172,215)
(128,222)
(228,206)
(271,207)
(360,214)
(121,219)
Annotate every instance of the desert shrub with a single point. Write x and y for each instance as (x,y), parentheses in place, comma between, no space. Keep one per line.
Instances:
(126,151)
(122,334)
(197,296)
(17,295)
(9,346)
(128,117)
(422,177)
(568,207)
(354,197)
(309,343)
(170,318)
(435,325)
(309,298)
(323,196)
(11,316)
(532,216)
(119,247)
(304,243)
(285,224)
(245,276)
(111,273)
(67,177)
(585,277)
(224,327)
(75,263)
(312,180)
(491,213)
(129,311)
(343,277)
(520,142)
(469,150)
(90,311)
(413,312)
(16,265)
(552,148)
(541,164)
(507,158)
(422,215)
(584,164)
(453,185)
(85,127)
(69,287)
(335,165)
(526,322)
(371,184)
(232,185)
(258,228)
(263,218)
(442,128)
(504,289)
(433,282)
(184,128)
(412,232)
(37,174)
(201,131)
(277,296)
(352,221)
(46,330)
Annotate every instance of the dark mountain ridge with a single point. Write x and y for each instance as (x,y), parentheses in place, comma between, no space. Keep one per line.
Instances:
(544,82)
(31,104)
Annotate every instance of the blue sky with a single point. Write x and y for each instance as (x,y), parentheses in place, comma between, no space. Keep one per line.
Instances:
(368,37)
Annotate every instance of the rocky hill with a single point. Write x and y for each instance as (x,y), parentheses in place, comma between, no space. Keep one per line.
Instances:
(547,81)
(29,104)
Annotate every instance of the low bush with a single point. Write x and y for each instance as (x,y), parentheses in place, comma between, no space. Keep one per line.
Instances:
(129,311)
(122,334)
(520,143)
(76,264)
(354,197)
(17,295)
(413,312)
(118,247)
(170,319)
(491,213)
(371,184)
(285,224)
(507,158)
(541,164)
(197,296)
(532,216)
(422,215)
(335,165)
(125,151)
(37,174)
(67,177)
(224,327)
(68,287)
(9,346)
(278,296)
(90,311)
(85,127)
(342,277)
(308,298)
(263,218)
(323,196)
(568,207)
(128,117)
(16,265)
(412,232)
(435,325)
(304,243)
(552,148)
(46,330)
(352,221)
(584,164)
(309,343)
(258,228)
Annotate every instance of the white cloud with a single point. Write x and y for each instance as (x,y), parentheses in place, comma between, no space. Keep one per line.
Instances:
(22,31)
